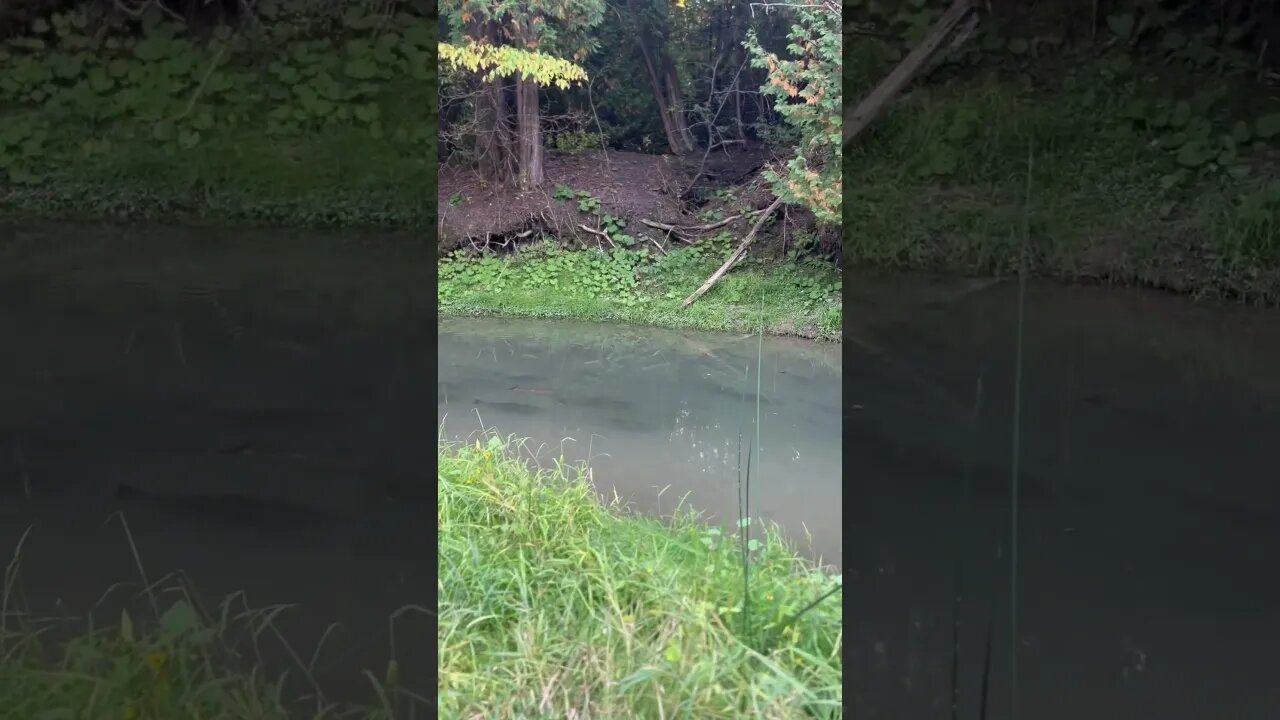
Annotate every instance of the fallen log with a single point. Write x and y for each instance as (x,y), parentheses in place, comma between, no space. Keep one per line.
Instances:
(865,112)
(686,229)
(736,256)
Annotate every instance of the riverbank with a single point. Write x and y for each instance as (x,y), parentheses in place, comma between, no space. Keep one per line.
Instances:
(301,121)
(799,298)
(1165,175)
(551,602)
(175,664)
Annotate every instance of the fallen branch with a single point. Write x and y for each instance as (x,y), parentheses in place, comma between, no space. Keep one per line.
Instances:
(685,229)
(601,234)
(858,118)
(736,256)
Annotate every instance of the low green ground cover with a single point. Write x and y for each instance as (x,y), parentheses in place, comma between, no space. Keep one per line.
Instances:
(636,286)
(297,120)
(165,662)
(1152,150)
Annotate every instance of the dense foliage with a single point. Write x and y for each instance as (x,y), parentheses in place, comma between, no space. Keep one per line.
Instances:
(1153,133)
(657,76)
(806,94)
(154,113)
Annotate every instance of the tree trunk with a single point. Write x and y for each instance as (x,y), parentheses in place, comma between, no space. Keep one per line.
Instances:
(664,110)
(494,155)
(675,105)
(528,134)
(493,142)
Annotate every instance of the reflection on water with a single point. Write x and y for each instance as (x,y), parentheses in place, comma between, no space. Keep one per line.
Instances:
(663,417)
(1147,507)
(251,402)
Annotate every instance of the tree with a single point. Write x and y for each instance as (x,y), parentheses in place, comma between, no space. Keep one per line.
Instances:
(806,94)
(649,23)
(518,43)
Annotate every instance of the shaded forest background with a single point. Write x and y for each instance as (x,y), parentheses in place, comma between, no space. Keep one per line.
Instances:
(286,112)
(1154,126)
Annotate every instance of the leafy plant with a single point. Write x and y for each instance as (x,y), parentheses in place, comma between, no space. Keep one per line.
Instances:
(812,177)
(588,203)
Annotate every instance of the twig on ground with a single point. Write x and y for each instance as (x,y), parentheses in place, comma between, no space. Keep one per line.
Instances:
(685,229)
(204,80)
(736,256)
(601,234)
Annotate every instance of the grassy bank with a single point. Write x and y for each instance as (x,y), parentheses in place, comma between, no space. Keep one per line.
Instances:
(298,120)
(633,286)
(554,605)
(1153,161)
(173,664)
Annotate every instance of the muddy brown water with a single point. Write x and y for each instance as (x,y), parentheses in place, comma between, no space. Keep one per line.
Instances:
(1148,509)
(252,403)
(664,419)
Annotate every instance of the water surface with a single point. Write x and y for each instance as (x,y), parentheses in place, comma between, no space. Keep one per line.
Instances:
(251,403)
(662,417)
(1148,509)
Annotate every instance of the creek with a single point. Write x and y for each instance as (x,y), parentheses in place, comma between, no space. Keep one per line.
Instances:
(1147,505)
(664,419)
(252,404)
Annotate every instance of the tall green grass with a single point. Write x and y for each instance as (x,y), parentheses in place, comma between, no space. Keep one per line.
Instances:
(553,603)
(168,659)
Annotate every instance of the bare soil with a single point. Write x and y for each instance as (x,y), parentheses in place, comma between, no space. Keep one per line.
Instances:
(629,185)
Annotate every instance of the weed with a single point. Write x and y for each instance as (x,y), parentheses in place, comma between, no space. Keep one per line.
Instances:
(165,660)
(633,285)
(266,124)
(554,603)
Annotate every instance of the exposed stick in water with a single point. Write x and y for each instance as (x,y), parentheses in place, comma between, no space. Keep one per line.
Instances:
(137,559)
(1017,442)
(955,647)
(177,341)
(986,664)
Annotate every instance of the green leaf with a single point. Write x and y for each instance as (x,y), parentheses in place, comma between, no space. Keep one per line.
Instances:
(179,620)
(126,627)
(1181,114)
(360,69)
(1018,46)
(1268,126)
(1121,25)
(672,653)
(1193,154)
